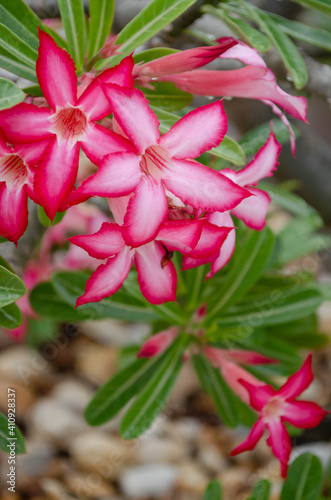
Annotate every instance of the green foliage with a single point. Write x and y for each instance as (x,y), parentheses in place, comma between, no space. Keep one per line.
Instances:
(5,437)
(167,95)
(304,480)
(72,14)
(10,94)
(213,491)
(101,18)
(11,289)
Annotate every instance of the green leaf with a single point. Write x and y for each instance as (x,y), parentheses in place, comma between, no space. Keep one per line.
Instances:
(46,221)
(41,331)
(151,54)
(11,287)
(72,15)
(253,140)
(273,309)
(153,18)
(304,480)
(321,5)
(14,65)
(10,316)
(262,490)
(71,285)
(150,401)
(289,201)
(10,42)
(230,150)
(3,240)
(249,262)
(167,95)
(10,94)
(101,18)
(119,390)
(240,28)
(288,52)
(6,438)
(314,36)
(33,90)
(213,491)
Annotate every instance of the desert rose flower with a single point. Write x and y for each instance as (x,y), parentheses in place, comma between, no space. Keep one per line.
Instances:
(277,407)
(69,125)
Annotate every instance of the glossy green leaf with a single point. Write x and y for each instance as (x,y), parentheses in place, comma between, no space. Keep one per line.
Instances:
(72,14)
(153,18)
(10,316)
(240,28)
(151,54)
(304,480)
(11,287)
(119,390)
(7,435)
(10,94)
(213,491)
(321,5)
(167,95)
(150,401)
(249,262)
(70,285)
(288,52)
(101,18)
(230,151)
(19,49)
(14,65)
(273,309)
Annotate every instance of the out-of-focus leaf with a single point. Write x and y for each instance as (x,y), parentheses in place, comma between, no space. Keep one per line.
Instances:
(10,316)
(101,18)
(19,49)
(321,5)
(14,65)
(72,15)
(304,480)
(9,431)
(10,94)
(213,491)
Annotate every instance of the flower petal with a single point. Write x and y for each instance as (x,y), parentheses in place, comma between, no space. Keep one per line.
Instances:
(146,211)
(14,212)
(56,175)
(99,141)
(32,152)
(93,100)
(190,263)
(201,187)
(227,249)
(107,279)
(197,132)
(259,395)
(211,240)
(104,243)
(247,357)
(252,439)
(303,414)
(263,164)
(280,443)
(158,343)
(298,382)
(56,73)
(26,123)
(157,283)
(181,235)
(252,211)
(130,108)
(118,175)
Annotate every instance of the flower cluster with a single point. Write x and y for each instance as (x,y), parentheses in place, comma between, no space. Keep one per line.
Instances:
(161,198)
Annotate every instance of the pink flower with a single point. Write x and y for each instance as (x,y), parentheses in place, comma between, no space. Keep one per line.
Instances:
(252,211)
(68,126)
(158,343)
(161,164)
(275,408)
(17,171)
(227,361)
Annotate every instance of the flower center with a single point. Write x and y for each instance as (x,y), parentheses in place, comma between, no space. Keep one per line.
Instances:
(69,123)
(13,171)
(274,408)
(154,161)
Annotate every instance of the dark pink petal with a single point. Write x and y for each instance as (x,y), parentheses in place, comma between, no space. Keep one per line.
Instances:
(190,263)
(99,141)
(259,395)
(251,81)
(284,119)
(201,187)
(247,357)
(14,212)
(93,100)
(280,443)
(26,123)
(56,175)
(118,175)
(263,164)
(106,242)
(185,60)
(147,209)
(56,73)
(130,108)
(107,279)
(74,198)
(303,414)
(197,132)
(252,211)
(4,149)
(210,242)
(298,382)
(227,249)
(181,235)
(158,343)
(157,283)
(252,439)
